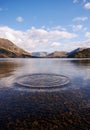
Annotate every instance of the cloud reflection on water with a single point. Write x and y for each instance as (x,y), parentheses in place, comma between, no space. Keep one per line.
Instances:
(77,70)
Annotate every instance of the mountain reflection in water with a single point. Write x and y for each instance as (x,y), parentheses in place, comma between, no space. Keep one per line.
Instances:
(7,67)
(64,108)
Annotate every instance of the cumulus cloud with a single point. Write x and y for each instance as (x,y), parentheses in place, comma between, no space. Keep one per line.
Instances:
(87,5)
(79,1)
(33,39)
(56,44)
(77,27)
(77,44)
(60,28)
(19,19)
(84,1)
(87,34)
(75,1)
(80,19)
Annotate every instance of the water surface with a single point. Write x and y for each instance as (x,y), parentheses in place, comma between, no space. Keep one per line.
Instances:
(26,103)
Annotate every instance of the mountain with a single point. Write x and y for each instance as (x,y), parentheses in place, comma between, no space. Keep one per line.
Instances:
(39,54)
(57,54)
(79,53)
(9,49)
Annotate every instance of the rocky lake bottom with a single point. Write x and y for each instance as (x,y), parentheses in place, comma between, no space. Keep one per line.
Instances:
(44,94)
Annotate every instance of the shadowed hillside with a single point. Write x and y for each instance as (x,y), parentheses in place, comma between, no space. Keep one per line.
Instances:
(80,53)
(9,49)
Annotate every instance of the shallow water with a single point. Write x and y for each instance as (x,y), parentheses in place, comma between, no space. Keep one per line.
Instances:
(45,94)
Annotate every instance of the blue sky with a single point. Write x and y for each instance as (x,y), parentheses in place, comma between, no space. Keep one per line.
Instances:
(46,25)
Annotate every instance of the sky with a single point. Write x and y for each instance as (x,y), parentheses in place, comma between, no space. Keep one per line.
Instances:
(46,25)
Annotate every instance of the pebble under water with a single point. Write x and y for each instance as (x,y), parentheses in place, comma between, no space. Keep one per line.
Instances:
(36,96)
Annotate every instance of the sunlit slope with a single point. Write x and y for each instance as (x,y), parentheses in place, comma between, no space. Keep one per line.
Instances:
(9,49)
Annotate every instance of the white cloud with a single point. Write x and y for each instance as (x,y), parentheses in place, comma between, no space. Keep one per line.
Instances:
(19,19)
(77,27)
(80,18)
(80,1)
(84,1)
(55,44)
(87,5)
(76,44)
(85,29)
(33,39)
(87,34)
(60,28)
(75,1)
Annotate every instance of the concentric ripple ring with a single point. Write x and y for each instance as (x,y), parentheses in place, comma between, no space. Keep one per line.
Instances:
(42,81)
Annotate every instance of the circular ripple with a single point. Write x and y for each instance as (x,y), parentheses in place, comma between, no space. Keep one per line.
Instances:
(42,81)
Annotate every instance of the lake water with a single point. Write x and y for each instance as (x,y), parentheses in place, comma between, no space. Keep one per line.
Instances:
(45,94)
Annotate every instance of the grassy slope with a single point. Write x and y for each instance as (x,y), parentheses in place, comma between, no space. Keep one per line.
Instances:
(9,49)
